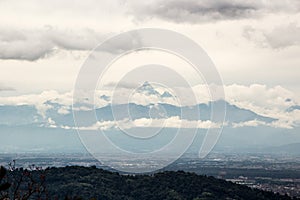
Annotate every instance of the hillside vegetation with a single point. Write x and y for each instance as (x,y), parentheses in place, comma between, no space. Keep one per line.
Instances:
(93,183)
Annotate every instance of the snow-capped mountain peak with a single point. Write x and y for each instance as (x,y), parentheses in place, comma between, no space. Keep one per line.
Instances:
(148,89)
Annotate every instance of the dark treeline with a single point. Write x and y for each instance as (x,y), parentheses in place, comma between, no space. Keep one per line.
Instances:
(92,183)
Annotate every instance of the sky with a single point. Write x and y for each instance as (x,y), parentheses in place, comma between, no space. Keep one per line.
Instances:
(255,45)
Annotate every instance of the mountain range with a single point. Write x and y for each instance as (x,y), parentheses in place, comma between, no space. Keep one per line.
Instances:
(30,128)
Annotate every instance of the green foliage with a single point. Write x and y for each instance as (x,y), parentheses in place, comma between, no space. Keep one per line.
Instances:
(89,183)
(79,183)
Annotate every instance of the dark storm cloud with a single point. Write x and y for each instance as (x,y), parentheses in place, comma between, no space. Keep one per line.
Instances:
(198,11)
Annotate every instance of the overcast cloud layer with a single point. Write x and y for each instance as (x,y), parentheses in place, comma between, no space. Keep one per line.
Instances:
(28,42)
(254,44)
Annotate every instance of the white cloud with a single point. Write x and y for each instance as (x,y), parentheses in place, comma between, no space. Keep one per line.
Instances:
(172,122)
(105,125)
(51,123)
(64,110)
(40,101)
(251,123)
(267,101)
(34,44)
(288,120)
(175,122)
(39,43)
(260,98)
(285,123)
(278,38)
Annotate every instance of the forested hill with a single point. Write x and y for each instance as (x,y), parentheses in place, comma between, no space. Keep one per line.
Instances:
(96,183)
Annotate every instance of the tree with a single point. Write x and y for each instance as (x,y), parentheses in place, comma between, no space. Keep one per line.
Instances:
(5,185)
(22,184)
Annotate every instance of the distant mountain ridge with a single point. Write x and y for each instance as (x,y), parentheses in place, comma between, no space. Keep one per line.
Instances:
(50,126)
(53,112)
(25,114)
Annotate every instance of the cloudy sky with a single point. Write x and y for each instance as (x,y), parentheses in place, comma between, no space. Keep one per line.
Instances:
(255,45)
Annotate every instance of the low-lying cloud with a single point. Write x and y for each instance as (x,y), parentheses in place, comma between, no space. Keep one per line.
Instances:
(171,122)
